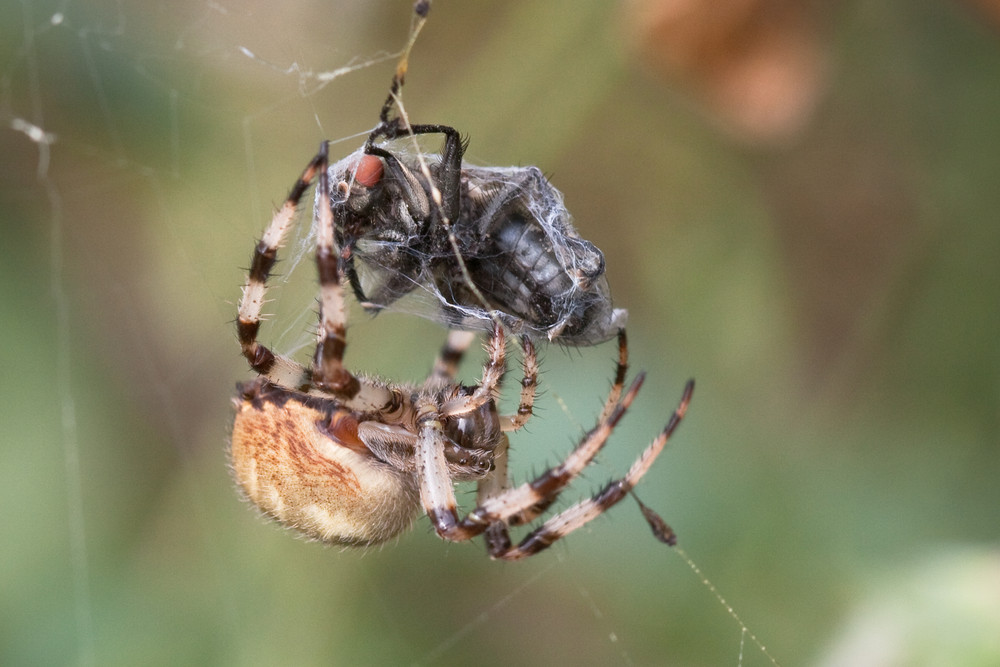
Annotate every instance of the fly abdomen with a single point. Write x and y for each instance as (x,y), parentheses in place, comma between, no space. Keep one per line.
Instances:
(519,271)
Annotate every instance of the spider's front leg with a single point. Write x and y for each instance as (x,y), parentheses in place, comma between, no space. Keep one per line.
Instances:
(328,369)
(278,369)
(436,490)
(328,373)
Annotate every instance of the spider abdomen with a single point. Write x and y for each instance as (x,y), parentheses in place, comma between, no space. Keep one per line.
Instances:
(318,480)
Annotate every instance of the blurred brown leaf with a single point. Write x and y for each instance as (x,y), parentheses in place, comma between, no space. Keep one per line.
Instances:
(758,66)
(989,8)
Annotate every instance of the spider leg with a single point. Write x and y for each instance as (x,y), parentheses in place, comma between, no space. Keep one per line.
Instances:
(420,11)
(497,535)
(439,498)
(614,396)
(449,358)
(276,368)
(583,512)
(432,444)
(524,503)
(529,386)
(328,368)
(621,368)
(488,388)
(328,372)
(436,491)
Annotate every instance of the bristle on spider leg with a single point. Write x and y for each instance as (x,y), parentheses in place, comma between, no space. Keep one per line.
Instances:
(493,371)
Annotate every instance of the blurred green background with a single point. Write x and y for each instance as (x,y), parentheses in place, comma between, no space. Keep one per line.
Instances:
(833,289)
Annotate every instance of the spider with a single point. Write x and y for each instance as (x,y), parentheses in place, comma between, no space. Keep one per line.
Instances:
(350,459)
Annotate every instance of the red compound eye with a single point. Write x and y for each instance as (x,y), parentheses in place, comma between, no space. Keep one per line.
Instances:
(369,171)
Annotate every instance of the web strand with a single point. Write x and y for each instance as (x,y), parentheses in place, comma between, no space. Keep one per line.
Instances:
(745,631)
(79,561)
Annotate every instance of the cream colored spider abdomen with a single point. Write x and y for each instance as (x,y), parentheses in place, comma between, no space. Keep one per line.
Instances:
(322,481)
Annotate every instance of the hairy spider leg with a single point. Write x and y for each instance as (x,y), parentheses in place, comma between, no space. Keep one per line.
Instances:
(499,480)
(439,498)
(438,495)
(497,535)
(446,365)
(529,388)
(328,363)
(488,388)
(610,403)
(587,510)
(498,506)
(279,369)
(444,373)
(421,9)
(618,385)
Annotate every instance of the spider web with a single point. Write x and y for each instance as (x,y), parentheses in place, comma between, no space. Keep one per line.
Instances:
(151,143)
